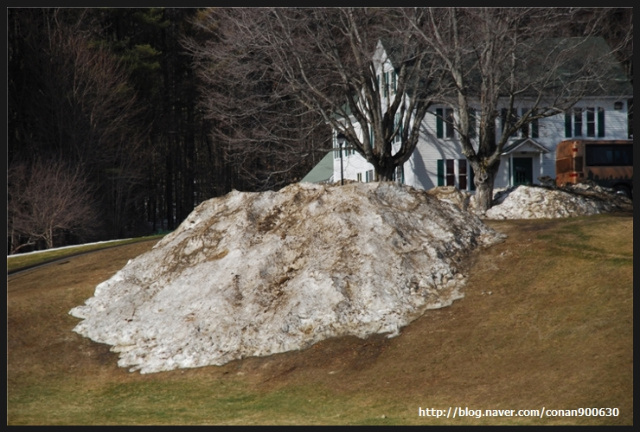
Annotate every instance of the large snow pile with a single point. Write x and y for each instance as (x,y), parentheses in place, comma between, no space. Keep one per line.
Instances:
(251,274)
(534,202)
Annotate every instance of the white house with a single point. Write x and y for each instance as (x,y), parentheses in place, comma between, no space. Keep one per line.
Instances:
(438,159)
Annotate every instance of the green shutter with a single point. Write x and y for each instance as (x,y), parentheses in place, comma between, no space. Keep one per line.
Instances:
(386,83)
(567,124)
(600,122)
(440,172)
(439,123)
(534,128)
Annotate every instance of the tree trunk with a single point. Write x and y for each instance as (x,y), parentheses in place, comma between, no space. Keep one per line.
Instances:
(49,238)
(484,180)
(385,173)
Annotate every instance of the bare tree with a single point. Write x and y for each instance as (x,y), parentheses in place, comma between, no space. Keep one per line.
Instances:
(495,58)
(319,64)
(263,134)
(98,120)
(70,99)
(47,199)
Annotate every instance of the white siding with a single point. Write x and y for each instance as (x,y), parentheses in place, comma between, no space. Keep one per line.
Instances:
(421,170)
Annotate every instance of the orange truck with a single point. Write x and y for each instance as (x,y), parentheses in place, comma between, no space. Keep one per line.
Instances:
(608,163)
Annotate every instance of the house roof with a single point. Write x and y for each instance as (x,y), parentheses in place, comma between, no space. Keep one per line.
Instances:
(524,145)
(393,50)
(323,171)
(609,78)
(570,51)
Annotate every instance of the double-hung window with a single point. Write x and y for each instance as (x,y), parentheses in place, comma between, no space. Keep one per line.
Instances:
(394,82)
(398,125)
(347,149)
(387,83)
(584,122)
(398,175)
(370,176)
(444,122)
(527,130)
(455,172)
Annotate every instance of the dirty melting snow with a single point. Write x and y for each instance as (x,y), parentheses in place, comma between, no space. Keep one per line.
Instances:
(535,202)
(252,274)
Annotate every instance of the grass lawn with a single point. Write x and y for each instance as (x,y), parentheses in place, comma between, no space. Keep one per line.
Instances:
(546,322)
(20,261)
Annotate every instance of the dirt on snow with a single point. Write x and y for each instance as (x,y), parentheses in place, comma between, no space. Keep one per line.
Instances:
(253,274)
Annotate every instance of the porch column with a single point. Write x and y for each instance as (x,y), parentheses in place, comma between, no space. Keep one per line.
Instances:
(510,169)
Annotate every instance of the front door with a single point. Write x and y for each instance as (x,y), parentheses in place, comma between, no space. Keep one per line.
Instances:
(522,171)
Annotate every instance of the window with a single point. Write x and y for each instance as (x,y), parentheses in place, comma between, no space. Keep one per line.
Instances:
(387,82)
(462,174)
(589,122)
(394,82)
(450,174)
(359,177)
(347,149)
(444,122)
(398,124)
(595,122)
(527,130)
(577,122)
(507,121)
(609,155)
(370,176)
(398,174)
(530,129)
(455,172)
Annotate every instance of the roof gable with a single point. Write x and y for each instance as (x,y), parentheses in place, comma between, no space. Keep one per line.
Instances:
(524,145)
(322,171)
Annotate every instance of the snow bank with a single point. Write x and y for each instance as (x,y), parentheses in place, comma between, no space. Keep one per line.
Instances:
(535,202)
(252,274)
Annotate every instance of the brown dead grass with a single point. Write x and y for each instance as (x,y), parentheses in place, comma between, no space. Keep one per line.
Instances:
(547,321)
